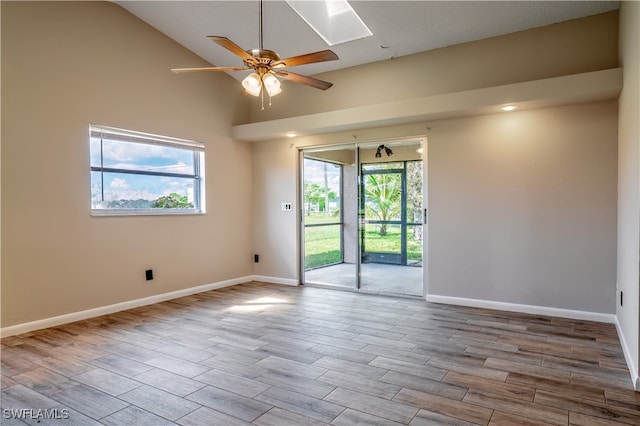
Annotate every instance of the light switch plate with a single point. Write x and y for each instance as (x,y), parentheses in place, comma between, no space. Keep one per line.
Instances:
(287,207)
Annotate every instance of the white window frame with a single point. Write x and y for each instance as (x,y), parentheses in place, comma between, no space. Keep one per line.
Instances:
(130,136)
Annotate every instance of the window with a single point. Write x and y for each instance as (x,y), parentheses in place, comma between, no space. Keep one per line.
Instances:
(140,173)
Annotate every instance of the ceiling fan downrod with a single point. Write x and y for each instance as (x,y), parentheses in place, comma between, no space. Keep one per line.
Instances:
(260,28)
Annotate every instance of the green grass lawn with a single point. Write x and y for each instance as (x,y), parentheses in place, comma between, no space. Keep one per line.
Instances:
(321,246)
(390,243)
(322,243)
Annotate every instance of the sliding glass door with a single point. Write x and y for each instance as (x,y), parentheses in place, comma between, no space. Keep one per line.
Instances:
(362,217)
(329,225)
(391,243)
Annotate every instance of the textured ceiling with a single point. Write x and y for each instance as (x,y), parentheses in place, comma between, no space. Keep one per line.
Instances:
(399,27)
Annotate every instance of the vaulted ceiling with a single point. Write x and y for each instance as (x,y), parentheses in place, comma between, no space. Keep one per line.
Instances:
(399,27)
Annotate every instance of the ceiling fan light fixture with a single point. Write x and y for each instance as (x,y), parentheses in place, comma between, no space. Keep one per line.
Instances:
(271,84)
(252,84)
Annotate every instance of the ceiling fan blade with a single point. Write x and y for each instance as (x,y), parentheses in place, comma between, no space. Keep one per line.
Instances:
(309,81)
(309,58)
(208,69)
(232,47)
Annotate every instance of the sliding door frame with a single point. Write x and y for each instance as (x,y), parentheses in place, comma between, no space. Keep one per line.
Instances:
(360,178)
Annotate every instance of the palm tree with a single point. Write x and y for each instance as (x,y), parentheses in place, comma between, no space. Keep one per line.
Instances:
(382,194)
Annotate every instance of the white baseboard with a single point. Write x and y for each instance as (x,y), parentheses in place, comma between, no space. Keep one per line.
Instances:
(275,280)
(525,309)
(110,309)
(627,356)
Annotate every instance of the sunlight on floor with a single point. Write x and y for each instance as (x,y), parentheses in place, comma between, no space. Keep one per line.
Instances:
(260,304)
(270,300)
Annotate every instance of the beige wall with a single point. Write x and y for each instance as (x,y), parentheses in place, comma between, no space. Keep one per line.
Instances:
(523,207)
(64,66)
(572,47)
(629,184)
(275,233)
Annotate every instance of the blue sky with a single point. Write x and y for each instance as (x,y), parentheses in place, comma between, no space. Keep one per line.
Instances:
(314,173)
(136,156)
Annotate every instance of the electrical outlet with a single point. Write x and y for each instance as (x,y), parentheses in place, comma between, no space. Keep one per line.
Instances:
(149,274)
(256,258)
(287,207)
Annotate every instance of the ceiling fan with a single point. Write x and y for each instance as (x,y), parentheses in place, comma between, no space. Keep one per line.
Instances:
(267,66)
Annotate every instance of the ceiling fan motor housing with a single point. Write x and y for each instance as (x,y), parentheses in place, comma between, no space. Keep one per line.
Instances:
(262,57)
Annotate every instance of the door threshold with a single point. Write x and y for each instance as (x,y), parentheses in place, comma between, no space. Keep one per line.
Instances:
(363,291)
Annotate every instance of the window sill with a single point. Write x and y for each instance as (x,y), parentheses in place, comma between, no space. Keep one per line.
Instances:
(145,212)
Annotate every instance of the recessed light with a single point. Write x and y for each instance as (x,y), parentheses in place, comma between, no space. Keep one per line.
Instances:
(509,107)
(291,134)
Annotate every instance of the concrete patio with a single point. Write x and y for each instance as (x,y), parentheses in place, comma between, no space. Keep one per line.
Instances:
(374,278)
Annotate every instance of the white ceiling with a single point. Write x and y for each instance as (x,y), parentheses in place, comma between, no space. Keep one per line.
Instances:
(399,27)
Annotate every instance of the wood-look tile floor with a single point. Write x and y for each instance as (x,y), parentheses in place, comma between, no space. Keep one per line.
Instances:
(275,355)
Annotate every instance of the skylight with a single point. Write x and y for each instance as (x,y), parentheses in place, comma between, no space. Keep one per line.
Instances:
(334,20)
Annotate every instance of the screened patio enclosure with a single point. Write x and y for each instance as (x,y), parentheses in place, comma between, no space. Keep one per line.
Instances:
(362,217)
